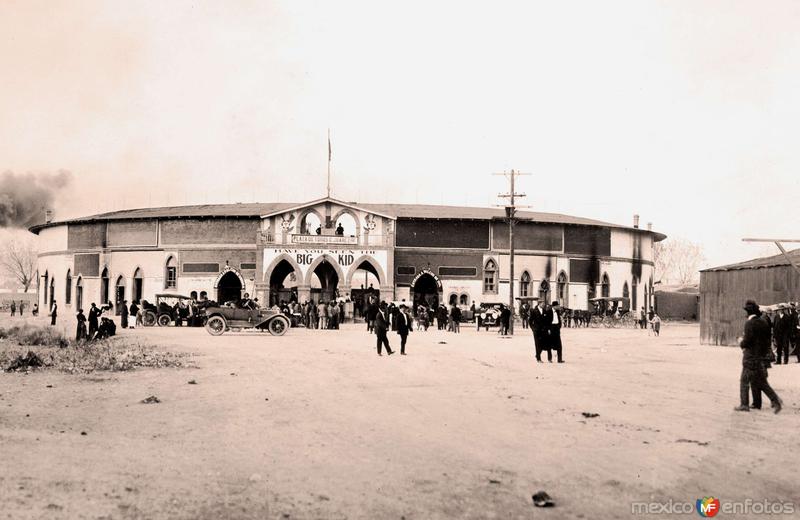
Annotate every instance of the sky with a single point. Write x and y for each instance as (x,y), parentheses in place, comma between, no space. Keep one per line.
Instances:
(684,112)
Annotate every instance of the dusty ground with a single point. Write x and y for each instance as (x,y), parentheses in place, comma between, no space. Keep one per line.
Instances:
(316,425)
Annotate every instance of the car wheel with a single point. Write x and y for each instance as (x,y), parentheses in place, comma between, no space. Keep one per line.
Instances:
(149,319)
(278,326)
(216,325)
(164,320)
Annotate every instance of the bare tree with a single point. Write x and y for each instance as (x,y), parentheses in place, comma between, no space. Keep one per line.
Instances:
(678,260)
(18,260)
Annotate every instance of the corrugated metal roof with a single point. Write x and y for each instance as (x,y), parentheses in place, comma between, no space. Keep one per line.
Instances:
(758,263)
(253,210)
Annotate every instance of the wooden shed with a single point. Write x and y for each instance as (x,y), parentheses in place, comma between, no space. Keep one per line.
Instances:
(723,291)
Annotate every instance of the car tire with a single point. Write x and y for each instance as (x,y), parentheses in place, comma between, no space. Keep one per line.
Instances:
(164,320)
(278,326)
(149,319)
(215,325)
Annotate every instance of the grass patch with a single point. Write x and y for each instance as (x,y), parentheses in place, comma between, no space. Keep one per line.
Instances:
(57,352)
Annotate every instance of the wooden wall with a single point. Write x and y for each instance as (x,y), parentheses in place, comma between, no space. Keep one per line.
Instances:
(723,293)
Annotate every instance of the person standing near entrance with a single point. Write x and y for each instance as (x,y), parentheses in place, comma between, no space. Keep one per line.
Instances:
(80,333)
(135,313)
(53,313)
(322,311)
(403,327)
(94,312)
(123,320)
(372,314)
(755,345)
(381,327)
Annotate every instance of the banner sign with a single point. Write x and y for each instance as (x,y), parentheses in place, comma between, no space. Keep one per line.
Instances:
(324,239)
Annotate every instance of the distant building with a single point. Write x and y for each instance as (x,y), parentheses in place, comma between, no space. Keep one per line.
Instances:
(275,251)
(723,291)
(677,302)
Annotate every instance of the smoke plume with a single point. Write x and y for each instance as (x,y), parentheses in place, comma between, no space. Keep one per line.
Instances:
(25,197)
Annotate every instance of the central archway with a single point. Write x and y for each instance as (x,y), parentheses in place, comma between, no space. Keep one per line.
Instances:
(426,289)
(229,287)
(283,283)
(324,282)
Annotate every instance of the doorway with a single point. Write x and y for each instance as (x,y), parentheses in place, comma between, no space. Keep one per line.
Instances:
(426,291)
(324,283)
(229,288)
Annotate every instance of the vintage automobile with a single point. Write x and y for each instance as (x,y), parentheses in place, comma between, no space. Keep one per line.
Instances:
(163,312)
(488,315)
(229,317)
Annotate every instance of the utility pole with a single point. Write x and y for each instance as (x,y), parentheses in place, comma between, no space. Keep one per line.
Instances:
(511,212)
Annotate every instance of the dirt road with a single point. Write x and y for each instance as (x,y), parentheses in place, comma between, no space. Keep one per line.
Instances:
(316,425)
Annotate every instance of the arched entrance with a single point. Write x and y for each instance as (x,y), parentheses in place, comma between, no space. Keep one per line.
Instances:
(324,282)
(229,288)
(282,283)
(426,289)
(104,283)
(119,295)
(79,293)
(138,285)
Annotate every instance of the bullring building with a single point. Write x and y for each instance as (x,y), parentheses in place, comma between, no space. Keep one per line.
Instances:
(330,248)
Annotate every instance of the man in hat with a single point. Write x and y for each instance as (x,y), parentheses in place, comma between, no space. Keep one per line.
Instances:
(782,328)
(555,333)
(755,345)
(381,326)
(403,327)
(541,319)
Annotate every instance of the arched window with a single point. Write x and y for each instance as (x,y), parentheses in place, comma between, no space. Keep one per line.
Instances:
(119,294)
(193,295)
(625,292)
(138,286)
(464,299)
(79,293)
(563,289)
(46,288)
(525,284)
(634,291)
(68,288)
(104,289)
(453,299)
(171,274)
(605,287)
(52,290)
(544,291)
(490,277)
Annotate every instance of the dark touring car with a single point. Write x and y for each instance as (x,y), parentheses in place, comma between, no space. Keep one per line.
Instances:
(225,318)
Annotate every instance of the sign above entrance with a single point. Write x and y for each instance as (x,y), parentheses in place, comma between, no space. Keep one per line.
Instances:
(324,239)
(429,273)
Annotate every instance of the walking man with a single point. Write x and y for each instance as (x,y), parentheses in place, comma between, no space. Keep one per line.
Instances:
(403,328)
(555,333)
(755,347)
(540,321)
(381,326)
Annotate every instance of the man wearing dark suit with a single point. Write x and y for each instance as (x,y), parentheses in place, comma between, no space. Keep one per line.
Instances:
(94,312)
(403,328)
(755,345)
(781,330)
(381,326)
(555,333)
(540,321)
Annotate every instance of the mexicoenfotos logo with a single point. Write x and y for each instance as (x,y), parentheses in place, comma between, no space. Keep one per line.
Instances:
(707,507)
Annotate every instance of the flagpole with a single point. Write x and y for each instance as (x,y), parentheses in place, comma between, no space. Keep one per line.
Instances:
(329,162)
